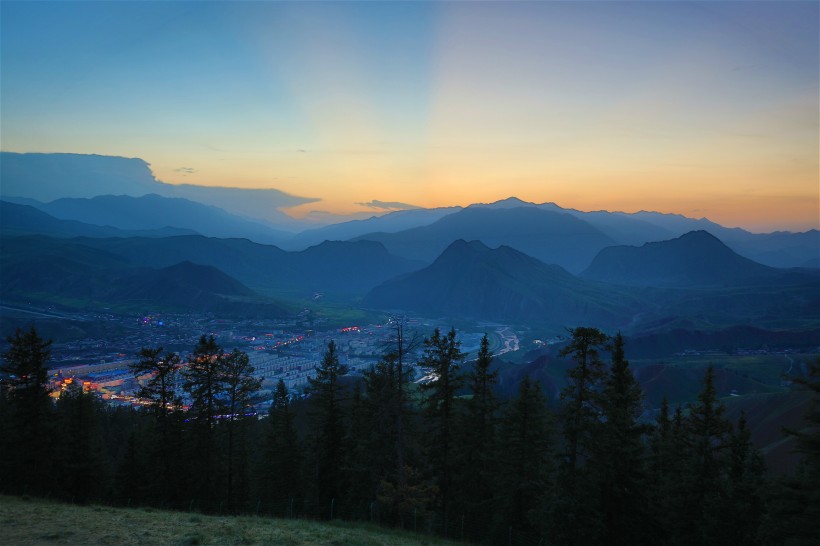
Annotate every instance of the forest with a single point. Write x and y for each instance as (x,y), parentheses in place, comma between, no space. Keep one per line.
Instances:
(446,456)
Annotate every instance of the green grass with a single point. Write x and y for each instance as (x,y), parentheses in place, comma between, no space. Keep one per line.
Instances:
(26,521)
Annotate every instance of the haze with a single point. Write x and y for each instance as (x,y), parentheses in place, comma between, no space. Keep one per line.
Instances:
(699,108)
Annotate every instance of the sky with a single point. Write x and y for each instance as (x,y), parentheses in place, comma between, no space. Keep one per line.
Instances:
(707,109)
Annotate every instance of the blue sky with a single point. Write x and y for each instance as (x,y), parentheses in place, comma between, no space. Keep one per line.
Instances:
(702,108)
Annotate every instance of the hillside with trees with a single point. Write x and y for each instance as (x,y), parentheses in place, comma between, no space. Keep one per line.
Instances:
(446,456)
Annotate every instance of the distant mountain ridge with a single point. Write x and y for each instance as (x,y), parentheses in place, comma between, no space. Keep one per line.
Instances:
(18,219)
(67,272)
(551,237)
(695,259)
(52,177)
(153,211)
(471,280)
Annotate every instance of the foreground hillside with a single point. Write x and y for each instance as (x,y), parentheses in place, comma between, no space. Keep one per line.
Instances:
(36,521)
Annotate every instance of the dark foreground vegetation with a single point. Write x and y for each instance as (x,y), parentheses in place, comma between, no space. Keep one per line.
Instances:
(29,521)
(445,457)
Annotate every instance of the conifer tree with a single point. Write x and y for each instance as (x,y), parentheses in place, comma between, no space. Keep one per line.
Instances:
(525,467)
(204,382)
(79,454)
(746,507)
(574,516)
(164,439)
(795,501)
(327,402)
(476,458)
(618,461)
(30,412)
(705,495)
(442,354)
(667,460)
(241,390)
(283,461)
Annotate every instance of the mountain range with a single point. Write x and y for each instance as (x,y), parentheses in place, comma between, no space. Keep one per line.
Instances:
(122,193)
(509,261)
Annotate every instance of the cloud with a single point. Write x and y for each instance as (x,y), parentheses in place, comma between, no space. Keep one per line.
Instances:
(186,170)
(387,205)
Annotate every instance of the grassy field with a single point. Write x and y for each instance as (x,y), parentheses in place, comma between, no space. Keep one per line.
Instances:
(25,521)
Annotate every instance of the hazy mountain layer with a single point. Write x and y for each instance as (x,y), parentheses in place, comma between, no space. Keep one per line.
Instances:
(694,259)
(551,237)
(154,212)
(69,273)
(18,219)
(470,280)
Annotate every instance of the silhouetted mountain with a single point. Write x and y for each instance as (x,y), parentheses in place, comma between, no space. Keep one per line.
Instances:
(778,249)
(185,285)
(694,259)
(552,237)
(153,211)
(47,177)
(471,280)
(388,223)
(63,270)
(337,269)
(18,219)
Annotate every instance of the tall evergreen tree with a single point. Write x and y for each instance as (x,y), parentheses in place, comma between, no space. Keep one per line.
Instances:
(667,460)
(581,399)
(164,439)
(618,461)
(282,471)
(327,402)
(705,496)
(524,473)
(476,456)
(746,506)
(574,516)
(442,354)
(83,468)
(795,501)
(241,390)
(204,382)
(30,412)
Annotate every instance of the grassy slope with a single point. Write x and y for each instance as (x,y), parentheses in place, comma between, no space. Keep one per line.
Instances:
(36,521)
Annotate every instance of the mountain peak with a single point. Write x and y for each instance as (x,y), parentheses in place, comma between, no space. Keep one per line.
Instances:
(696,258)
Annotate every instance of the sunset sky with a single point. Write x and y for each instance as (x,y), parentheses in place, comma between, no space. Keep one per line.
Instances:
(700,108)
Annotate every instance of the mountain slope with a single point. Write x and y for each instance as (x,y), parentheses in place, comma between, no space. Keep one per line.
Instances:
(389,223)
(472,280)
(65,271)
(19,219)
(338,270)
(153,211)
(696,259)
(551,237)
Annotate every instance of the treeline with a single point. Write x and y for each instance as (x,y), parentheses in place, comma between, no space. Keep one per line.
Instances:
(446,456)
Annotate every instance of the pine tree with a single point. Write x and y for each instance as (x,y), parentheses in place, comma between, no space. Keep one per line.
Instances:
(442,354)
(667,459)
(574,517)
(746,507)
(241,390)
(795,501)
(204,382)
(618,462)
(705,495)
(476,459)
(282,471)
(524,473)
(327,401)
(582,397)
(159,385)
(83,467)
(30,413)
